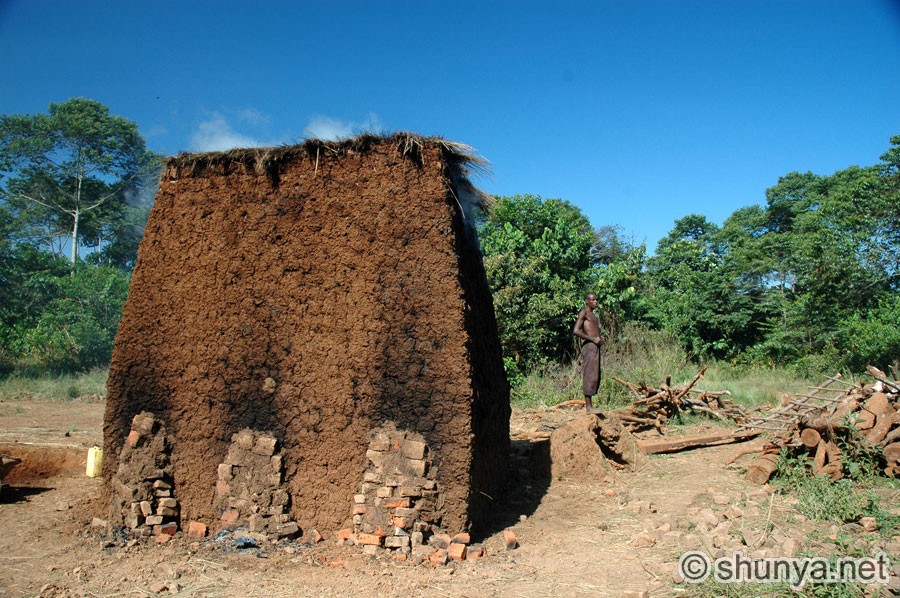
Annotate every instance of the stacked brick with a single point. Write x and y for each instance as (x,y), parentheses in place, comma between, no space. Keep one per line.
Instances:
(143,498)
(398,503)
(250,491)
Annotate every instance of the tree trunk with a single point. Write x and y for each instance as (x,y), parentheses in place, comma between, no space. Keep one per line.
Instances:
(75,216)
(810,438)
(76,211)
(761,469)
(892,454)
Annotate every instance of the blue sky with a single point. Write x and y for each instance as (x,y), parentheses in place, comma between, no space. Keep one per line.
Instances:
(638,112)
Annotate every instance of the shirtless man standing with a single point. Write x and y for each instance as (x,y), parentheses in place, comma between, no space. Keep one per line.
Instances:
(587,328)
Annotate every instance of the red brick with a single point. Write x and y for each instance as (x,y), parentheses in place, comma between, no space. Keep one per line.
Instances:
(167,529)
(402,503)
(413,449)
(401,522)
(369,539)
(457,551)
(422,552)
(195,528)
(222,488)
(510,539)
(439,557)
(133,438)
(440,541)
(474,553)
(265,446)
(462,538)
(230,516)
(359,509)
(344,535)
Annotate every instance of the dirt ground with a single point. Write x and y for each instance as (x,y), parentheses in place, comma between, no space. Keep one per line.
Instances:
(618,537)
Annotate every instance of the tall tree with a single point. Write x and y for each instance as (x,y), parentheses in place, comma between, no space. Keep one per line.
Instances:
(696,296)
(65,172)
(537,254)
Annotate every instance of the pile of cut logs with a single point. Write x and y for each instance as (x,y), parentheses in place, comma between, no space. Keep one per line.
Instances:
(655,407)
(866,418)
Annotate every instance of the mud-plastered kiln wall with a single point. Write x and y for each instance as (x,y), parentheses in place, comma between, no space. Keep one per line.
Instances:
(315,293)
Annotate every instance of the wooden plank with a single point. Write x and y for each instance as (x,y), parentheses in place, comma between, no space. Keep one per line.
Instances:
(691,442)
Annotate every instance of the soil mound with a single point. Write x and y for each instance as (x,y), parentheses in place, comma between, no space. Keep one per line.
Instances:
(592,448)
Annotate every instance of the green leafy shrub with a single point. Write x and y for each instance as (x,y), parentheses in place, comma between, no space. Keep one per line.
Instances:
(821,498)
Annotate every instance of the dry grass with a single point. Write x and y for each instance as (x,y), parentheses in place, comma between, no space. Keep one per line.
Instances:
(267,160)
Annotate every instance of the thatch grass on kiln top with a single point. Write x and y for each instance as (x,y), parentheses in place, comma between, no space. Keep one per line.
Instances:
(263,159)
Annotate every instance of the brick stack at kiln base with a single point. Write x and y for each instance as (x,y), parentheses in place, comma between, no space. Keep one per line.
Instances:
(143,490)
(249,487)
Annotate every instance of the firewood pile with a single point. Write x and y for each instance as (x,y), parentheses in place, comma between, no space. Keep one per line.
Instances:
(655,407)
(861,418)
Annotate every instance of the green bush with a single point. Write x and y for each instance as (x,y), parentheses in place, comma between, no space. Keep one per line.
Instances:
(872,337)
(821,498)
(76,328)
(537,260)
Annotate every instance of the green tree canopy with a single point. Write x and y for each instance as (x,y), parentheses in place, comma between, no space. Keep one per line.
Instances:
(537,254)
(64,174)
(812,274)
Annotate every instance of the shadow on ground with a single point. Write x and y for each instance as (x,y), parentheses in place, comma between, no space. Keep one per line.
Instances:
(19,494)
(526,485)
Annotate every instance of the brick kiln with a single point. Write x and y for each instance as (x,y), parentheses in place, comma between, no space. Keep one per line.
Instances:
(309,342)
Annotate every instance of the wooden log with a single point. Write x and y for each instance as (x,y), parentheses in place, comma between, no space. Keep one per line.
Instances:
(864,420)
(884,419)
(572,403)
(877,403)
(672,446)
(875,372)
(711,393)
(892,454)
(889,383)
(819,458)
(632,388)
(749,450)
(760,469)
(892,436)
(833,452)
(848,405)
(810,438)
(687,388)
(833,470)
(634,418)
(823,425)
